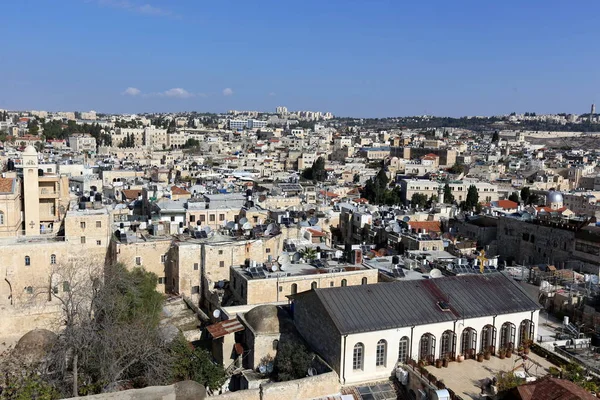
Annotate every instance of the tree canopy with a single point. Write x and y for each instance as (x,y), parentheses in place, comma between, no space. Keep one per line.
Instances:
(316,172)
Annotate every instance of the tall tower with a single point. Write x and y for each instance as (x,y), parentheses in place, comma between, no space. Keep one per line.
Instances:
(592,112)
(31,192)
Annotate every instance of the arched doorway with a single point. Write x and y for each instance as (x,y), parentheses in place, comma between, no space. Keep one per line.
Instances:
(468,342)
(507,336)
(488,339)
(427,348)
(526,329)
(448,345)
(403,347)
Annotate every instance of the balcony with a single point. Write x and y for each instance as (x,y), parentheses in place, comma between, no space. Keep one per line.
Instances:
(48,194)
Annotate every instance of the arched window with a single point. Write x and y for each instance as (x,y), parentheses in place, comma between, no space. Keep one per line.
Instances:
(53,259)
(358,356)
(344,282)
(507,336)
(313,285)
(381,352)
(525,332)
(27,261)
(447,345)
(364,281)
(1,218)
(468,342)
(488,339)
(403,349)
(427,348)
(294,288)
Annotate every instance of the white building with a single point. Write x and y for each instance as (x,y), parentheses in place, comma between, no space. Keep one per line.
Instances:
(364,331)
(487,192)
(81,142)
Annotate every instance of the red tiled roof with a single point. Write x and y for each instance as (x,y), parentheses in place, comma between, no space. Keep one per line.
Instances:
(429,226)
(316,233)
(507,204)
(553,389)
(223,328)
(328,194)
(178,190)
(131,194)
(6,185)
(361,200)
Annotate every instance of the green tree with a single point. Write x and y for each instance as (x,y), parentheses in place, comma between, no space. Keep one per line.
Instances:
(507,381)
(191,143)
(525,194)
(34,129)
(448,196)
(308,253)
(418,200)
(472,198)
(514,196)
(356,178)
(457,169)
(292,361)
(318,170)
(196,364)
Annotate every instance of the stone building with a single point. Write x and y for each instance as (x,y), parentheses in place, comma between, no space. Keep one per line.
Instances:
(363,331)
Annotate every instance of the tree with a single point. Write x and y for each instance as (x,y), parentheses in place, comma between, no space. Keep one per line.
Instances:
(525,193)
(308,253)
(418,200)
(472,198)
(457,169)
(514,196)
(190,143)
(495,137)
(196,364)
(111,331)
(356,178)
(318,170)
(507,380)
(448,196)
(292,361)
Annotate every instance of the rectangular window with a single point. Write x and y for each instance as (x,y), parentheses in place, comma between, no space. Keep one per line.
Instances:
(221,264)
(163,258)
(161,281)
(99,242)
(98,224)
(221,217)
(195,266)
(82,225)
(211,218)
(83,240)
(195,289)
(267,250)
(192,218)
(138,261)
(29,289)
(357,357)
(172,219)
(281,288)
(202,218)
(220,252)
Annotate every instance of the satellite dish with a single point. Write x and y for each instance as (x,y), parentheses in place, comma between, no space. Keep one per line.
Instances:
(242,221)
(247,226)
(274,268)
(435,273)
(217,313)
(406,219)
(313,221)
(312,371)
(207,229)
(262,369)
(230,225)
(269,229)
(396,228)
(283,267)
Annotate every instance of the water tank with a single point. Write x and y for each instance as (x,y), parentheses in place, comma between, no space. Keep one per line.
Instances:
(395,260)
(97,197)
(82,205)
(10,165)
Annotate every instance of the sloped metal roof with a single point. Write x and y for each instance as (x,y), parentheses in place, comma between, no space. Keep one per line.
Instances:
(381,306)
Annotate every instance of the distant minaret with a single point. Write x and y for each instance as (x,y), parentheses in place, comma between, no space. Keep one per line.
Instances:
(592,112)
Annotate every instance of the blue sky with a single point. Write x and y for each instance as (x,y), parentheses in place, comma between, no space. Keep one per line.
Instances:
(353,58)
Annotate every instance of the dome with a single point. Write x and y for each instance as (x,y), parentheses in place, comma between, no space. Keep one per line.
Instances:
(267,319)
(35,344)
(30,150)
(554,197)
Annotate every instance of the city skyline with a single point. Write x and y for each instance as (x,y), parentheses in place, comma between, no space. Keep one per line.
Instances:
(357,59)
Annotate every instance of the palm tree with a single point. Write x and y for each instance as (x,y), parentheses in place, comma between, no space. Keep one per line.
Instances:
(308,253)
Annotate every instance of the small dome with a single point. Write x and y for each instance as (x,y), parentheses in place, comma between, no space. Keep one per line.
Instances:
(35,344)
(30,150)
(267,319)
(554,197)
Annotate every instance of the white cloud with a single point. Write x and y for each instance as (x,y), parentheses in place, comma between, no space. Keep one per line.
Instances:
(227,92)
(131,6)
(179,93)
(131,91)
(272,94)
